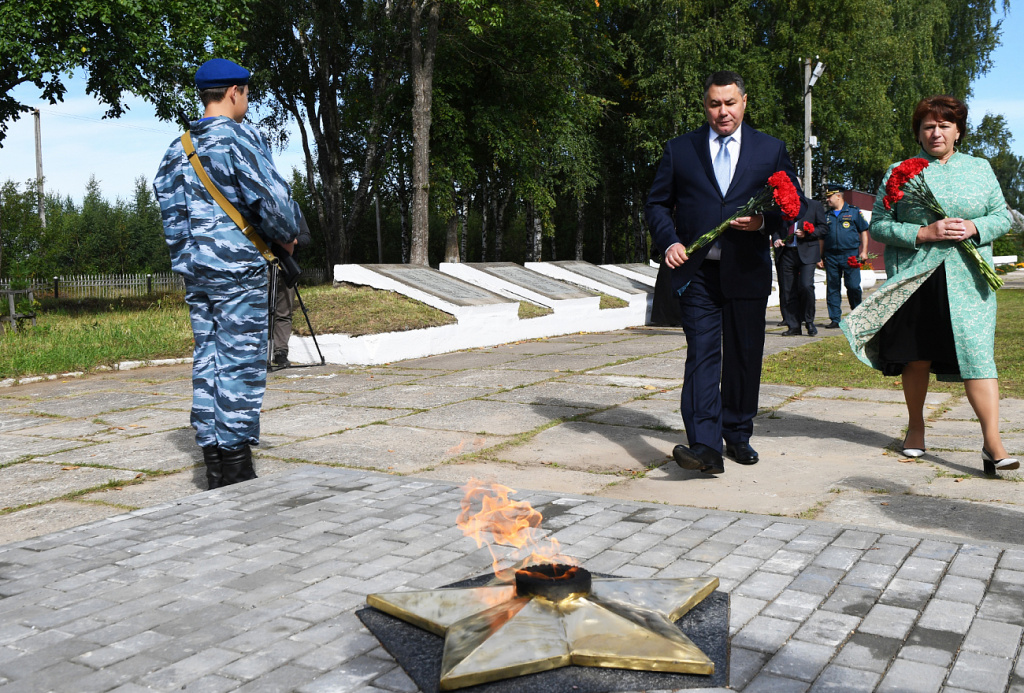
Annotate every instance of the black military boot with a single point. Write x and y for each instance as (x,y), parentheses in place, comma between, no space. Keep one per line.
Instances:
(237,465)
(214,473)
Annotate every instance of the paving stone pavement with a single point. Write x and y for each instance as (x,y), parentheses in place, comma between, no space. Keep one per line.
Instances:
(849,569)
(254,588)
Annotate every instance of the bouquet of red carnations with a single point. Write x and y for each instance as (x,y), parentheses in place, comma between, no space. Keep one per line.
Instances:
(907,180)
(808,228)
(853,261)
(780,194)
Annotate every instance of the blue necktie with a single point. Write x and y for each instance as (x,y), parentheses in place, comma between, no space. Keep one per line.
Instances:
(723,163)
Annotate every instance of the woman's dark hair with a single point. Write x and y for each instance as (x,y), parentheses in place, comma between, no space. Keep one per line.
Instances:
(941,108)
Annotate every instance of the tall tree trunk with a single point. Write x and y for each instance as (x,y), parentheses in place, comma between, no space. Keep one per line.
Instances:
(485,213)
(463,213)
(451,246)
(528,233)
(538,236)
(579,231)
(630,232)
(604,229)
(499,224)
(641,230)
(423,52)
(403,207)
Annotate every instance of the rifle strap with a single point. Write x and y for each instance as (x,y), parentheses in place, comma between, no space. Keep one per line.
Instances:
(218,196)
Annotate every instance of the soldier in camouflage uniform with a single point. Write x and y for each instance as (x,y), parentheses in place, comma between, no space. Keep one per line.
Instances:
(225,275)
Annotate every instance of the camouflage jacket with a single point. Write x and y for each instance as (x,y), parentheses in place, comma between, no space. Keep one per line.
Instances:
(206,246)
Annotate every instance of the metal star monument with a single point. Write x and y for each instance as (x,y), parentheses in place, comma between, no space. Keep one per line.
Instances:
(502,631)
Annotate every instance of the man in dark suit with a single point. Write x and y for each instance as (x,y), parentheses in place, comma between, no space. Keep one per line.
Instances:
(797,249)
(703,178)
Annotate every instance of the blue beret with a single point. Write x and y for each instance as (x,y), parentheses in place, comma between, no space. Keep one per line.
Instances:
(219,72)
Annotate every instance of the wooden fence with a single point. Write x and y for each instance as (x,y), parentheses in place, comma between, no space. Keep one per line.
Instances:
(117,285)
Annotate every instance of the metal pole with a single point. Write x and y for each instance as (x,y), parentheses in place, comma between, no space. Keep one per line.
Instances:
(807,127)
(39,167)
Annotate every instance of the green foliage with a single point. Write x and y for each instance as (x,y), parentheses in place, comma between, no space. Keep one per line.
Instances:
(554,109)
(991,140)
(145,47)
(98,237)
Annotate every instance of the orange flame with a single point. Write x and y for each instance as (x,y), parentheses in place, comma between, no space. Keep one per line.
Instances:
(492,519)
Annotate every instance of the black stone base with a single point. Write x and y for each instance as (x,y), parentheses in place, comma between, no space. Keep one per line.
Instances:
(419,654)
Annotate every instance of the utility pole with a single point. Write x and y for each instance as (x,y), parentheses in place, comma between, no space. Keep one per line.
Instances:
(39,168)
(810,78)
(807,128)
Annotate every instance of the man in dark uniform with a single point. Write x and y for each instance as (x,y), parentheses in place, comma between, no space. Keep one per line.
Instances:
(798,250)
(847,237)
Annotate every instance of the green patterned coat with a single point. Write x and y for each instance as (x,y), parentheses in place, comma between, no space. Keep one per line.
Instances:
(965,187)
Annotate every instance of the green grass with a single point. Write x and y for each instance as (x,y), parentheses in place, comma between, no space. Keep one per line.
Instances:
(80,335)
(830,361)
(359,310)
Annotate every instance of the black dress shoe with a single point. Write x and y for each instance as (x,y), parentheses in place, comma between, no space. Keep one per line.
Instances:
(741,452)
(812,330)
(792,332)
(832,325)
(699,457)
(781,323)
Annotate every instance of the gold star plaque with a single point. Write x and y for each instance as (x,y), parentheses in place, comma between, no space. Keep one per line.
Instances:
(491,634)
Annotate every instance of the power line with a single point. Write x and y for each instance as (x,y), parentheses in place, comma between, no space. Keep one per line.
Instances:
(110,121)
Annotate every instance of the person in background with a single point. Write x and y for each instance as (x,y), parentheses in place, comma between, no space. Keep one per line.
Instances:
(847,237)
(284,304)
(797,260)
(935,313)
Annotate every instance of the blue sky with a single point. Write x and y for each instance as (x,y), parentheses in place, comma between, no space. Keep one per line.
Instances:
(78,143)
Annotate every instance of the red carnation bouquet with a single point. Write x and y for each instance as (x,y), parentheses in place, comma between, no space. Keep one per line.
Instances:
(907,181)
(780,194)
(808,228)
(853,261)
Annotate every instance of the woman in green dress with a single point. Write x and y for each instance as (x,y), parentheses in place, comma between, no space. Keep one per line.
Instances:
(935,313)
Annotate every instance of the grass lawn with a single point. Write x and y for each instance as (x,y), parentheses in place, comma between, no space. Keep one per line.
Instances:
(829,361)
(78,335)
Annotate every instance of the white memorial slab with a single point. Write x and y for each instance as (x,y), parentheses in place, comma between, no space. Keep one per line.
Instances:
(485,301)
(637,271)
(593,277)
(425,284)
(519,283)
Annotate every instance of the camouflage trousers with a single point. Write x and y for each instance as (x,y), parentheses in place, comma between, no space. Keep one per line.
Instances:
(229,367)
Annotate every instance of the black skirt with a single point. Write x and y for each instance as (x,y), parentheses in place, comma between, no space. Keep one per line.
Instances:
(921,330)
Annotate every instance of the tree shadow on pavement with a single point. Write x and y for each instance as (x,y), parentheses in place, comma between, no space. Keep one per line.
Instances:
(977,520)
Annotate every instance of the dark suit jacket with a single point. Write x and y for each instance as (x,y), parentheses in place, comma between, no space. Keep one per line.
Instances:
(807,247)
(685,202)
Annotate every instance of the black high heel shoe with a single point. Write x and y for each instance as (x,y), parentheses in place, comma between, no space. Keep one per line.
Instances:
(992,465)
